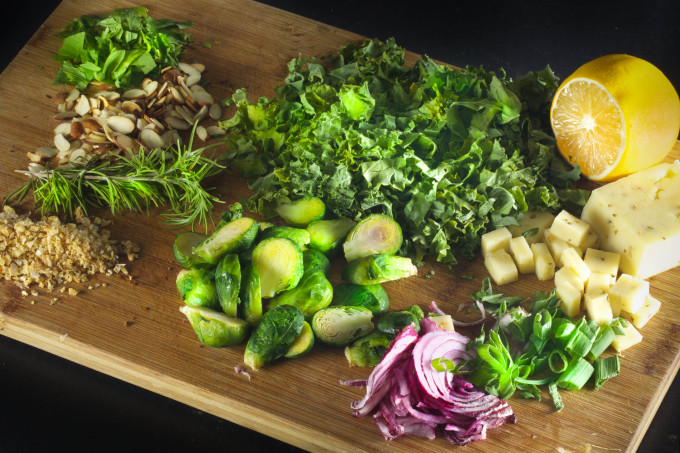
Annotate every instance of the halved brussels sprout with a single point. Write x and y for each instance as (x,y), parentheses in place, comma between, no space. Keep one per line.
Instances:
(232,237)
(228,283)
(315,261)
(327,236)
(374,269)
(273,336)
(216,329)
(393,323)
(339,326)
(311,294)
(279,263)
(298,235)
(197,287)
(302,344)
(368,350)
(301,213)
(373,297)
(250,295)
(374,234)
(183,248)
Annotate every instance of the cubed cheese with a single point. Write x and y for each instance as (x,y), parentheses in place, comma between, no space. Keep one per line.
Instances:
(570,298)
(543,261)
(591,241)
(496,240)
(602,261)
(444,322)
(522,254)
(599,282)
(501,267)
(572,259)
(531,221)
(628,294)
(557,246)
(649,308)
(639,217)
(597,307)
(569,228)
(567,275)
(630,338)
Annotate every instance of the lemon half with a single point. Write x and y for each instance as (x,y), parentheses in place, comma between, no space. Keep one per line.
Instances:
(615,115)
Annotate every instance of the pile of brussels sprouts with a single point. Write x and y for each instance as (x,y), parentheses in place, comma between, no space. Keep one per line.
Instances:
(269,284)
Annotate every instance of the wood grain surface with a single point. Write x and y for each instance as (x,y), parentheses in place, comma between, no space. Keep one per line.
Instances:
(134,331)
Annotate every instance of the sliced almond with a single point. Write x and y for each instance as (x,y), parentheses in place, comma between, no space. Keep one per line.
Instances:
(151,139)
(34,167)
(200,67)
(141,123)
(215,112)
(192,80)
(72,96)
(171,75)
(103,103)
(94,103)
(90,125)
(176,95)
(185,114)
(78,157)
(75,144)
(134,93)
(61,143)
(177,123)
(63,128)
(131,107)
(33,157)
(82,105)
(188,69)
(46,152)
(215,131)
(150,88)
(121,124)
(200,114)
(111,96)
(77,129)
(202,132)
(125,142)
(163,90)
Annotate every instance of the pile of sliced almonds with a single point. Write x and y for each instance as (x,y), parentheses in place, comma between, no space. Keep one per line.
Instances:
(103,121)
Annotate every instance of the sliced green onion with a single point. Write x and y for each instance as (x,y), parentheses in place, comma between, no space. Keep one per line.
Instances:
(618,324)
(555,366)
(602,341)
(543,381)
(576,375)
(590,329)
(606,369)
(555,395)
(579,344)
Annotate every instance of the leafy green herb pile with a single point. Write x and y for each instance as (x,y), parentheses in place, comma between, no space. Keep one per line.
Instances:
(540,347)
(119,48)
(449,154)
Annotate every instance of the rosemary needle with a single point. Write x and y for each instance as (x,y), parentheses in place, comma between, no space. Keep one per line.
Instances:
(171,177)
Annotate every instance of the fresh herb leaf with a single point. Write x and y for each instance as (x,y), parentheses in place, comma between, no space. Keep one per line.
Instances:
(449,154)
(119,48)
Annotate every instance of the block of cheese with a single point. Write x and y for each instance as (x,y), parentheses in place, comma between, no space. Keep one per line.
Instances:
(522,254)
(570,299)
(532,222)
(501,267)
(597,307)
(629,338)
(628,294)
(543,261)
(649,308)
(557,246)
(599,281)
(639,217)
(567,275)
(602,261)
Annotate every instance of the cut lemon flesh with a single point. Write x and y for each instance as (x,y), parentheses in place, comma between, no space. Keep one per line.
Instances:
(615,115)
(589,126)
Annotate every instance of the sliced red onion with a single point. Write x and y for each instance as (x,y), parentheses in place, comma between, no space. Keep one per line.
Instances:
(407,396)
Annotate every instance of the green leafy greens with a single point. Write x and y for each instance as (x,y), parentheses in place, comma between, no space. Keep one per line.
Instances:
(119,48)
(449,154)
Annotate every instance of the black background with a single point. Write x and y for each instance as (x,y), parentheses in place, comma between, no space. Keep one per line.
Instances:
(50,404)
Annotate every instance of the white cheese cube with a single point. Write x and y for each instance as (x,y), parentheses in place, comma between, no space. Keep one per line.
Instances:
(591,241)
(444,322)
(630,338)
(572,259)
(597,307)
(543,261)
(628,294)
(602,261)
(569,228)
(557,246)
(530,221)
(649,308)
(570,298)
(501,267)
(638,217)
(567,275)
(599,282)
(522,254)
(496,240)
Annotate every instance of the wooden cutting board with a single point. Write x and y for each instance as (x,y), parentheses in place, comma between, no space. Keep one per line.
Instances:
(134,331)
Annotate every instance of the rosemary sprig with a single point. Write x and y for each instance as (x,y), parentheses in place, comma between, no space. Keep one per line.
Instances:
(136,183)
